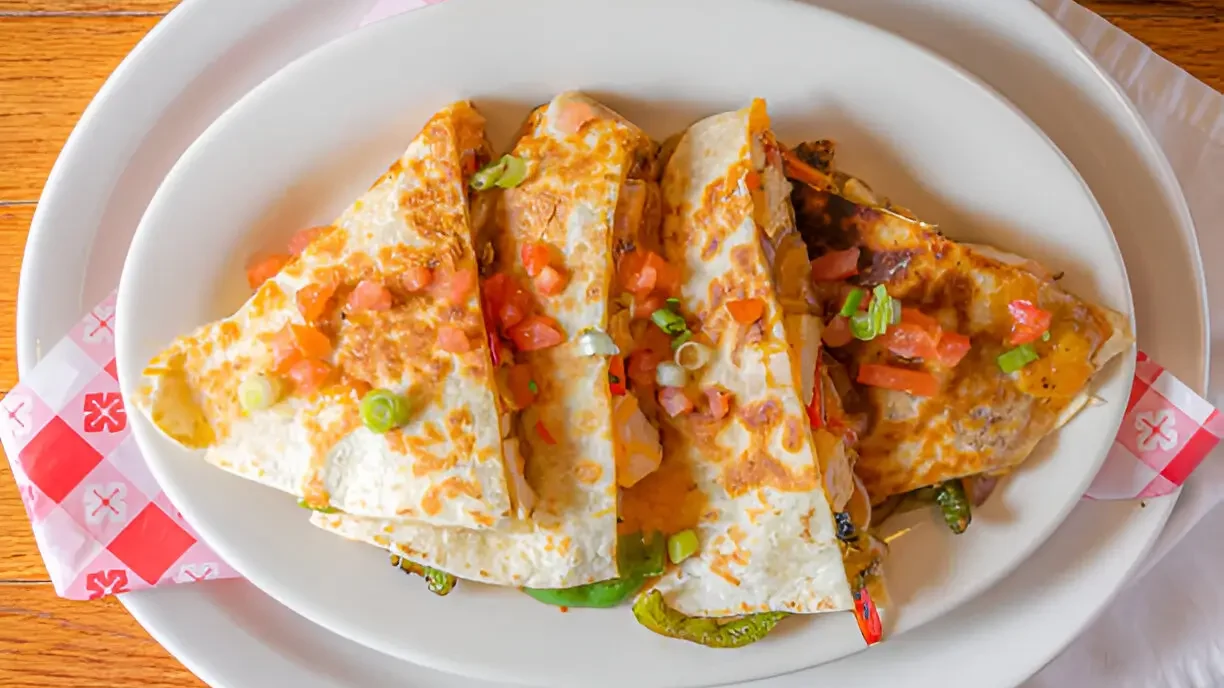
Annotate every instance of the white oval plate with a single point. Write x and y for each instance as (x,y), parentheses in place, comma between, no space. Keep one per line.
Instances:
(234,637)
(919,129)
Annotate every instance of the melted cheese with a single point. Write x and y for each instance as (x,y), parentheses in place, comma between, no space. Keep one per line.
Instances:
(446,465)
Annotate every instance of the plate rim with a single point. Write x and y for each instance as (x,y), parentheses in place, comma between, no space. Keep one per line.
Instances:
(979,585)
(148,607)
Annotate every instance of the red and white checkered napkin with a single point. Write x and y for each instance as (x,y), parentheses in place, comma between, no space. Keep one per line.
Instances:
(1166,433)
(104,526)
(101,521)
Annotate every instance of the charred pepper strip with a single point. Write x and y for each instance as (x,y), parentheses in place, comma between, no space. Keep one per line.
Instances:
(954,504)
(652,612)
(638,558)
(439,582)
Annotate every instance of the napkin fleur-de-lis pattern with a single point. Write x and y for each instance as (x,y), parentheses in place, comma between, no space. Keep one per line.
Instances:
(97,514)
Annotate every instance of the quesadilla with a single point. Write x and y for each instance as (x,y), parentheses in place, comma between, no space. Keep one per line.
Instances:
(358,376)
(585,191)
(741,469)
(955,359)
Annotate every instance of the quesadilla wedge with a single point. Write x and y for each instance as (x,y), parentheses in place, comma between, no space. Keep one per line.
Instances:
(742,471)
(358,377)
(588,192)
(955,359)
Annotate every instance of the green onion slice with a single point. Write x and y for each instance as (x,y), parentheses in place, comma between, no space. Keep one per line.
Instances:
(669,321)
(682,545)
(531,385)
(259,392)
(681,339)
(882,310)
(514,173)
(853,300)
(488,175)
(1045,336)
(862,327)
(1015,359)
(383,410)
(674,305)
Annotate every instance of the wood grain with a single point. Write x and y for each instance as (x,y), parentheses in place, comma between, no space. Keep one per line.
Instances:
(54,55)
(1195,44)
(1156,8)
(46,641)
(87,6)
(50,68)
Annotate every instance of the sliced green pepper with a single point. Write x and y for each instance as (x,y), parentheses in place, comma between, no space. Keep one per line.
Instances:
(439,582)
(637,558)
(954,504)
(653,613)
(641,555)
(599,595)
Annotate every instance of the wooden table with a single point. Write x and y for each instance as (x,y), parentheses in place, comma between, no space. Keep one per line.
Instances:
(54,55)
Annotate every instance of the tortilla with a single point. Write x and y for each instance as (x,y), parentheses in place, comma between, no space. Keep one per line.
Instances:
(446,466)
(580,157)
(983,420)
(749,483)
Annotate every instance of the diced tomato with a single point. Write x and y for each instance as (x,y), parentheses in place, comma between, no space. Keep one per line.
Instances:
(643,307)
(836,265)
(369,296)
(952,349)
(719,401)
(507,300)
(572,115)
(655,340)
(417,278)
(453,340)
(642,272)
(837,333)
(674,401)
(550,281)
(536,257)
(915,382)
(634,276)
(667,277)
(494,287)
(616,375)
(461,284)
(310,342)
(519,380)
(302,239)
(310,374)
(265,269)
(746,311)
(544,434)
(642,365)
(284,352)
(912,341)
(536,332)
(313,299)
(916,317)
(1028,322)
